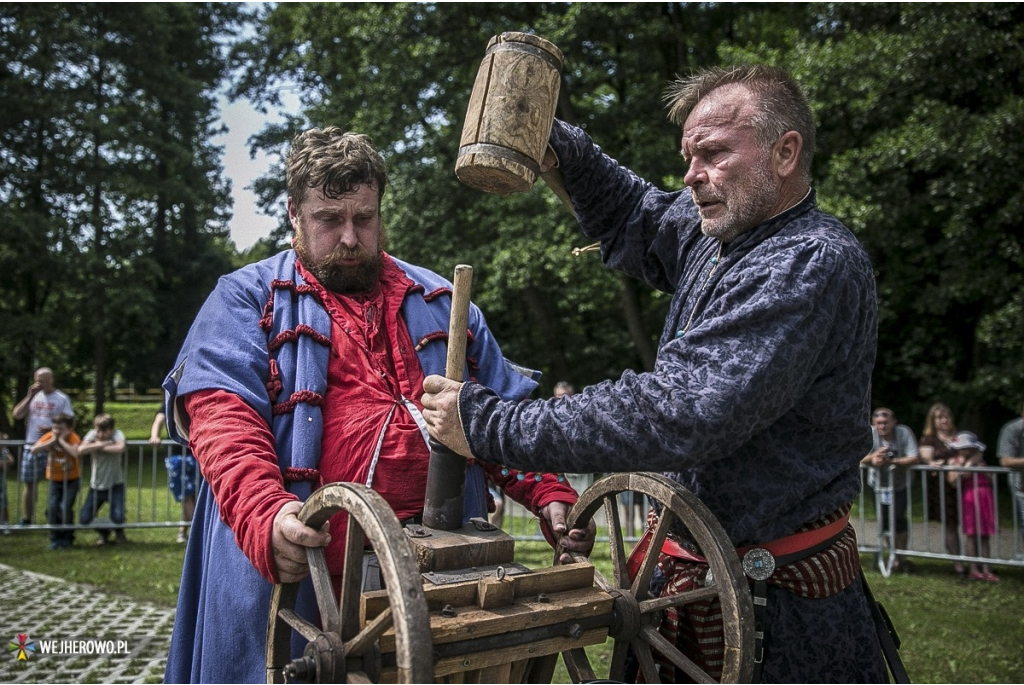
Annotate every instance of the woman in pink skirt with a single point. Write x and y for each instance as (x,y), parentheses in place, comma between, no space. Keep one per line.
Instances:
(977,504)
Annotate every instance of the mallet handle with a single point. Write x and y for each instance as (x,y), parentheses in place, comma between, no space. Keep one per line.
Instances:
(462,287)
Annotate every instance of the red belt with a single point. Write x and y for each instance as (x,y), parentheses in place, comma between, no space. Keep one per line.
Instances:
(784,550)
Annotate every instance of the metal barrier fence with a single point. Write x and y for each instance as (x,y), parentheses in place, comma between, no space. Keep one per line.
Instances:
(926,537)
(149,501)
(933,510)
(935,513)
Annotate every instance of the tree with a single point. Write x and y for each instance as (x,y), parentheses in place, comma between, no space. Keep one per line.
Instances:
(921,113)
(403,73)
(109,178)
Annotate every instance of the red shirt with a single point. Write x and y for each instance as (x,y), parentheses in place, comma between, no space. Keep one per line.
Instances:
(372,367)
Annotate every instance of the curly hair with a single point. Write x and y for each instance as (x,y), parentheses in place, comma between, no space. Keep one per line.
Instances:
(334,161)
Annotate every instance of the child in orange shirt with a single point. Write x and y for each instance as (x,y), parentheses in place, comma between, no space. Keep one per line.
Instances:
(61,447)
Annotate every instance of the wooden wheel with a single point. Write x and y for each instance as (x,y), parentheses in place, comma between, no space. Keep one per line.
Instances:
(637,613)
(340,649)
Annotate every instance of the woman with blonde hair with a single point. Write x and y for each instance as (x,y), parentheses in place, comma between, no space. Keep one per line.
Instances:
(939,431)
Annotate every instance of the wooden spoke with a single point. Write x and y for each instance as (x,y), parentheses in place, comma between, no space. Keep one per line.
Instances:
(636,629)
(617,667)
(643,577)
(370,634)
(648,606)
(618,545)
(578,666)
(668,650)
(321,579)
(301,625)
(343,650)
(352,579)
(642,650)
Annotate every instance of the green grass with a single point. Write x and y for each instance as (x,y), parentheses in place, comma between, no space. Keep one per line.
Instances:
(148,567)
(953,631)
(134,419)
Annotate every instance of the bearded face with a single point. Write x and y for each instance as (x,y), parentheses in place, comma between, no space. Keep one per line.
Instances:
(340,239)
(729,210)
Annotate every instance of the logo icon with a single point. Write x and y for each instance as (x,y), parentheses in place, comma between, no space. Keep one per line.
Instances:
(22,645)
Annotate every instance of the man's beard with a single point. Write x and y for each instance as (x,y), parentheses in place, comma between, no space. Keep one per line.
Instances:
(344,280)
(748,204)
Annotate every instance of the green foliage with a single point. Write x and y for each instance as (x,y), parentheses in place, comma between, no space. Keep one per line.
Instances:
(403,73)
(920,114)
(114,210)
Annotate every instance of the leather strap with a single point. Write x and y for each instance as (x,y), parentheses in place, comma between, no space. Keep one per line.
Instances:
(786,550)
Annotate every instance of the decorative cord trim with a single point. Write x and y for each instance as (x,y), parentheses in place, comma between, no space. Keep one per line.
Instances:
(308,396)
(434,294)
(430,337)
(267,320)
(292,335)
(293,474)
(274,385)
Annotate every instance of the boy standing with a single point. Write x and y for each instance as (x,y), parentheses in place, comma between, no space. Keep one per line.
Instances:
(60,444)
(107,446)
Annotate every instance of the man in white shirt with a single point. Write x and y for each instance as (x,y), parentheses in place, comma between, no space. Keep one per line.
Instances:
(42,402)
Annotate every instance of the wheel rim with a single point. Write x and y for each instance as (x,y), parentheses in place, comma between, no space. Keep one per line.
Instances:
(342,650)
(637,610)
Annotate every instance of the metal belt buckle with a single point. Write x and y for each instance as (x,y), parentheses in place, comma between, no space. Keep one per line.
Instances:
(758,564)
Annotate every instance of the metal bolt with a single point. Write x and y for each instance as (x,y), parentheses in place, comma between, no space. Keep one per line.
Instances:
(543,598)
(575,631)
(300,670)
(448,611)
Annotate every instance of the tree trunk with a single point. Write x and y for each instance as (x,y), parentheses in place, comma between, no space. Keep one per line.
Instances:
(548,330)
(634,322)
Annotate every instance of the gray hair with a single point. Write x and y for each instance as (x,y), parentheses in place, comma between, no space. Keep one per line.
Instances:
(781,104)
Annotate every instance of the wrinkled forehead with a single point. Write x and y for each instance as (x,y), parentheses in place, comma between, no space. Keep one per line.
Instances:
(727,111)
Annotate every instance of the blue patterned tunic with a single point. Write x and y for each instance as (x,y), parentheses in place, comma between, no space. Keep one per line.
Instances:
(760,395)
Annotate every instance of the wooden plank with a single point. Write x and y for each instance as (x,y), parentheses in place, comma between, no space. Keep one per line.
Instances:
(518,671)
(541,648)
(498,673)
(470,623)
(554,579)
(493,593)
(548,580)
(449,550)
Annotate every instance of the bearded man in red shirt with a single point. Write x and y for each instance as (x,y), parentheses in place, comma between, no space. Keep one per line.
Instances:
(307,368)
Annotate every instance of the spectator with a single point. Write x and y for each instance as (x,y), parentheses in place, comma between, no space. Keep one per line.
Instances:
(183,476)
(60,446)
(939,431)
(894,449)
(977,504)
(106,484)
(42,402)
(307,368)
(6,464)
(563,388)
(1011,456)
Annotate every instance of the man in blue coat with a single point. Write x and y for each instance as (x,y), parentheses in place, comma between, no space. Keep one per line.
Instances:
(760,395)
(305,369)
